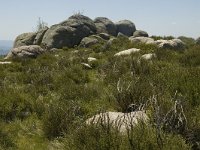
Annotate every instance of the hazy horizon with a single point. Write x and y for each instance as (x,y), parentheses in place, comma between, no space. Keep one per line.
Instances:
(172,17)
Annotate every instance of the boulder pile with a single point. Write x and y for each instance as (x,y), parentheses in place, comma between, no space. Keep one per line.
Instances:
(83,31)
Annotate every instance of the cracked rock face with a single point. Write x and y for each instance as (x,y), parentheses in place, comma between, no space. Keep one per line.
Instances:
(39,36)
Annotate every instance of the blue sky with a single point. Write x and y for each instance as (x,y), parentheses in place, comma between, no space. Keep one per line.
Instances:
(157,17)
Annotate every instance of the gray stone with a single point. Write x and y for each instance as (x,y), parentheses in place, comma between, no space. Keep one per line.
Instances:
(25,39)
(104,25)
(79,21)
(39,36)
(175,44)
(126,27)
(31,51)
(140,33)
(104,36)
(122,121)
(59,36)
(127,52)
(141,40)
(69,33)
(88,41)
(121,35)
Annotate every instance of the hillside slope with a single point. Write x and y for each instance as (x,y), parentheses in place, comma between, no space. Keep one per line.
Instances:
(45,101)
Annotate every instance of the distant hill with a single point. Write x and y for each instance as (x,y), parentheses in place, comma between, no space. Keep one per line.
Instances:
(5,46)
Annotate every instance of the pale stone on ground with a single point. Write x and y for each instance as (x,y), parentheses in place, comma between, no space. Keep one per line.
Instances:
(122,121)
(90,59)
(148,56)
(127,52)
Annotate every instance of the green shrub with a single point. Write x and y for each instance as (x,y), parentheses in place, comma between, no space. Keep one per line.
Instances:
(5,141)
(191,57)
(59,118)
(139,138)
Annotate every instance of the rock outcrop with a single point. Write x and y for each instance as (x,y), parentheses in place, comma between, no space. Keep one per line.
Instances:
(126,27)
(105,25)
(31,51)
(83,31)
(119,120)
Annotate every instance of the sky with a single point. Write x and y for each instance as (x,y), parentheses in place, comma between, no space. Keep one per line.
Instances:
(157,17)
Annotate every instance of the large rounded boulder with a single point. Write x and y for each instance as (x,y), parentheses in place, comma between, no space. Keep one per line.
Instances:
(140,33)
(25,39)
(59,36)
(69,33)
(31,51)
(104,25)
(126,27)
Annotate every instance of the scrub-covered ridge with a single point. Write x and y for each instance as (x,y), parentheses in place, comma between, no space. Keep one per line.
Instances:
(95,84)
